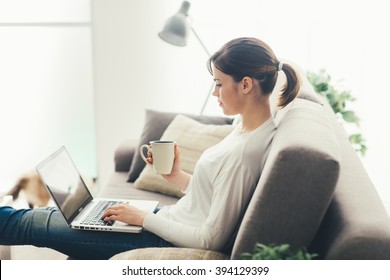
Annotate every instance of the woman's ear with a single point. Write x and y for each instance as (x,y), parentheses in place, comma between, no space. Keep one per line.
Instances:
(246,84)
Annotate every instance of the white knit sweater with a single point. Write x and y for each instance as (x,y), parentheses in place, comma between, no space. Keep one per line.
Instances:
(218,193)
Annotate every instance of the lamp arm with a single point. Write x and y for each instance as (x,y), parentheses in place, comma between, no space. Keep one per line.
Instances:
(200,41)
(212,84)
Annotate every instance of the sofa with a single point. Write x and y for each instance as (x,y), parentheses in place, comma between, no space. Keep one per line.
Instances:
(313,192)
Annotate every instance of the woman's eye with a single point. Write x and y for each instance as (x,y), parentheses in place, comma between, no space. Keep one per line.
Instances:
(218,85)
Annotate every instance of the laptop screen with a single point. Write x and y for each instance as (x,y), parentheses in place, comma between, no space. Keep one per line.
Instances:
(65,184)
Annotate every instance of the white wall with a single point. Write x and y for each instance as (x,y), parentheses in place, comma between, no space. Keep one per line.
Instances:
(135,70)
(46,85)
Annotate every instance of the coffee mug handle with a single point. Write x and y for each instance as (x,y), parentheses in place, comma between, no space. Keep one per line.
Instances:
(141,151)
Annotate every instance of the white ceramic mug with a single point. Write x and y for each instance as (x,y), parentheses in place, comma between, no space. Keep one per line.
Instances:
(163,155)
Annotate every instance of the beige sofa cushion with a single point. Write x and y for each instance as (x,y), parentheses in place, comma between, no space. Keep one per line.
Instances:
(193,138)
(155,124)
(170,254)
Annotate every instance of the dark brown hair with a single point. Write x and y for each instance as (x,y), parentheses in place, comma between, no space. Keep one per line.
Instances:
(251,57)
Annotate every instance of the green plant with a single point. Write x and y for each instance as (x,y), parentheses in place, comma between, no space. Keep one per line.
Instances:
(339,100)
(277,252)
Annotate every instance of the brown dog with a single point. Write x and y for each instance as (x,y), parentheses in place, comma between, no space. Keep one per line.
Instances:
(34,189)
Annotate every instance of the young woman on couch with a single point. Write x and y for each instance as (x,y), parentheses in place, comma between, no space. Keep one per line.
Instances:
(245,71)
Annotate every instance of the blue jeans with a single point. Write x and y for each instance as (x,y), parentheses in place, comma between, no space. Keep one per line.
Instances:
(45,227)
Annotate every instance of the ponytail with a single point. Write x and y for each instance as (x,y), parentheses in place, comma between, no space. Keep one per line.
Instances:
(291,87)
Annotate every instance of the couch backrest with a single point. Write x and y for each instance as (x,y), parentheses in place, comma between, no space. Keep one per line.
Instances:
(356,225)
(297,183)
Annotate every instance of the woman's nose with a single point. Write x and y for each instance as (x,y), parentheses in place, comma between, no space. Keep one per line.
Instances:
(215,91)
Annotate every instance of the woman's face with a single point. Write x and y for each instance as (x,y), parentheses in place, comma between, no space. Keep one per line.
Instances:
(227,92)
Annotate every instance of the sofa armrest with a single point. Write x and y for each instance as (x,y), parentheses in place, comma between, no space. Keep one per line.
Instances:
(124,155)
(170,254)
(297,182)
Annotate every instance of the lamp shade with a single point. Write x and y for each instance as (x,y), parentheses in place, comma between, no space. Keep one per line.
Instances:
(177,27)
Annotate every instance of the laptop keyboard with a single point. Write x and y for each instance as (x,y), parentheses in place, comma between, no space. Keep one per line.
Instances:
(95,217)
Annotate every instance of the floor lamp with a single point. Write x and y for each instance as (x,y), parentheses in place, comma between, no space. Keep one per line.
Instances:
(176,31)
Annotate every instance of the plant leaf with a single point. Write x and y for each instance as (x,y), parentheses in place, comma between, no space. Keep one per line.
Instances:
(338,100)
(350,116)
(277,252)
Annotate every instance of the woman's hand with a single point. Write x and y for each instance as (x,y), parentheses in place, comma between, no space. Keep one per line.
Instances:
(177,177)
(176,168)
(125,213)
(176,163)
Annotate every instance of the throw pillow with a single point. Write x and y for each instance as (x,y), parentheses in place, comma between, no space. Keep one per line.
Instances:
(193,138)
(155,124)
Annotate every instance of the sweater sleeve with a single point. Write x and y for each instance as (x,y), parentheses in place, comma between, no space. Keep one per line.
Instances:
(231,192)
(223,183)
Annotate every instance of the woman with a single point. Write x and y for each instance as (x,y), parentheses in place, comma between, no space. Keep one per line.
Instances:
(245,71)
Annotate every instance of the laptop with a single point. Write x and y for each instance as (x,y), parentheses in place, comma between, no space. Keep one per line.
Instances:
(75,202)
